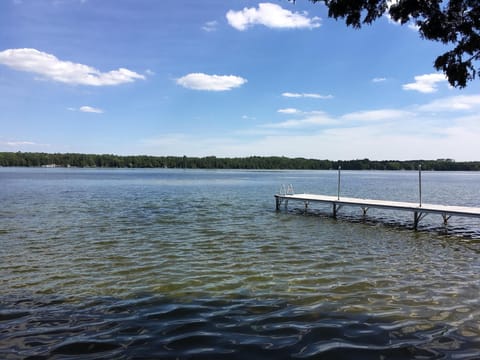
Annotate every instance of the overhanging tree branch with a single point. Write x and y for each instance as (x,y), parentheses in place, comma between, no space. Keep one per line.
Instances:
(454,22)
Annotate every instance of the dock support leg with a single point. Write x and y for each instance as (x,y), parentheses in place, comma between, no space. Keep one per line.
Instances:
(279,201)
(335,209)
(445,219)
(365,209)
(417,216)
(306,206)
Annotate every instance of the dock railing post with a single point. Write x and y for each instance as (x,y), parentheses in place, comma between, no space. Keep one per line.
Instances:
(420,184)
(338,186)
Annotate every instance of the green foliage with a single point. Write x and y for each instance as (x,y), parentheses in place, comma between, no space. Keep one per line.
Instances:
(212,162)
(454,22)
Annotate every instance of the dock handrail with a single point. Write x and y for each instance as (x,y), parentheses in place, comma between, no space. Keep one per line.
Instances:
(286,189)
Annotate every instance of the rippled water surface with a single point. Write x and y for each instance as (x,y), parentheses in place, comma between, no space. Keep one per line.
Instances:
(145,264)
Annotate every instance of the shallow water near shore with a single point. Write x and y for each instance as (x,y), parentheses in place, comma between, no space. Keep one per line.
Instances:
(141,264)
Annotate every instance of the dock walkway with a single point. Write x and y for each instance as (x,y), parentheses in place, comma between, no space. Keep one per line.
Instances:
(419,210)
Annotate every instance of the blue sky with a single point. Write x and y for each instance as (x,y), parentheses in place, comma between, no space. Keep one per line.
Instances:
(226,78)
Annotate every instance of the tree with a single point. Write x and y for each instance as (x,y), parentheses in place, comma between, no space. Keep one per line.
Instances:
(454,22)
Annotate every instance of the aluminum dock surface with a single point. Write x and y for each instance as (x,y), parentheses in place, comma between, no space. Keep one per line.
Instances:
(419,210)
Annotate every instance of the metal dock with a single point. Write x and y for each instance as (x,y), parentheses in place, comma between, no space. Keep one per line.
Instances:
(419,210)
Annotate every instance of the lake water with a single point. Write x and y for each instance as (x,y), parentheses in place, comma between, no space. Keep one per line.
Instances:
(194,264)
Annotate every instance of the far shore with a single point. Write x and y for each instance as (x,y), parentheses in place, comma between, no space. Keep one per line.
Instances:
(67,160)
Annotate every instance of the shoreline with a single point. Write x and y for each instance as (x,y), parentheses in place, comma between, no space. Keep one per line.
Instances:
(77,160)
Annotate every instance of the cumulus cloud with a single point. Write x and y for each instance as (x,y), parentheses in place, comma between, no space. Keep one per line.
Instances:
(306,95)
(50,67)
(272,16)
(379,79)
(89,109)
(426,83)
(200,81)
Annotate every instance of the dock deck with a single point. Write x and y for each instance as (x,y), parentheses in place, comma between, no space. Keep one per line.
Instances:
(419,210)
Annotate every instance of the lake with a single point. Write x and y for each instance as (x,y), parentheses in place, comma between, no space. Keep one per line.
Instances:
(197,264)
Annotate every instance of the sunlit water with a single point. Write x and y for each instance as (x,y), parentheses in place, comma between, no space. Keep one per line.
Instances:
(145,264)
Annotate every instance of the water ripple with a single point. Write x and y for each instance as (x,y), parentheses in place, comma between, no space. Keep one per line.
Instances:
(151,326)
(115,266)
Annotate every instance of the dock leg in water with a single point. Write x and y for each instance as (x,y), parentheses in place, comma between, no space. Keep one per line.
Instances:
(336,208)
(417,217)
(445,219)
(365,209)
(279,201)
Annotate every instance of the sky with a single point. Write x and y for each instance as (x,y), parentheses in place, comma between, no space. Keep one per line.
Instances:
(225,78)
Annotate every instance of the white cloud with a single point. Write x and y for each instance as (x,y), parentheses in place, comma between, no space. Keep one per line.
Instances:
(379,79)
(21,145)
(378,115)
(272,16)
(50,67)
(200,81)
(313,119)
(288,111)
(317,96)
(363,134)
(89,109)
(454,103)
(210,26)
(307,95)
(18,143)
(390,3)
(291,95)
(413,26)
(319,119)
(459,141)
(426,83)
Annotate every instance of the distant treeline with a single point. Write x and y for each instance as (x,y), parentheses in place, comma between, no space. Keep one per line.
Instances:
(212,162)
